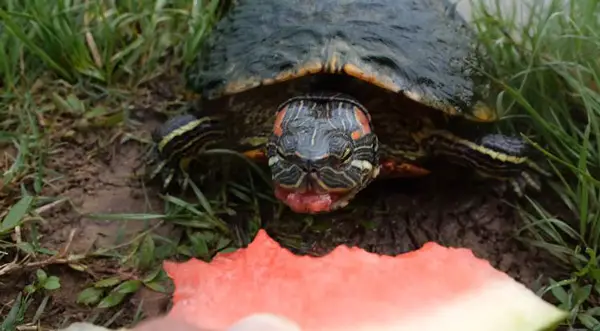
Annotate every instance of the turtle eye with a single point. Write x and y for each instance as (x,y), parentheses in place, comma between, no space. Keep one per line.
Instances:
(346,155)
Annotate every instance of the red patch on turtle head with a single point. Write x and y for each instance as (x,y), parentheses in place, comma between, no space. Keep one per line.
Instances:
(364,123)
(277,129)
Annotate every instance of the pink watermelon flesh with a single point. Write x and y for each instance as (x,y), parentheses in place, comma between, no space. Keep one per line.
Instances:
(433,288)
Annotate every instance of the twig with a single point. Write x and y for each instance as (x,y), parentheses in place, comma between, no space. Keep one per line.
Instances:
(50,206)
(129,242)
(63,258)
(55,259)
(89,38)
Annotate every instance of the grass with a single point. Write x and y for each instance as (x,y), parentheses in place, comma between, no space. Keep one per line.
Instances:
(77,66)
(73,66)
(547,66)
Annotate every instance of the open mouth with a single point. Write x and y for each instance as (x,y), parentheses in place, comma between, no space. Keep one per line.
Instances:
(312,201)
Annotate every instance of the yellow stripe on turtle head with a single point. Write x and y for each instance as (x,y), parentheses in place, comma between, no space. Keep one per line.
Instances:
(181,131)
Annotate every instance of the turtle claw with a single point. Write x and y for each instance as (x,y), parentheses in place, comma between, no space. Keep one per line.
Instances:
(524,181)
(520,184)
(172,175)
(183,181)
(529,179)
(168,174)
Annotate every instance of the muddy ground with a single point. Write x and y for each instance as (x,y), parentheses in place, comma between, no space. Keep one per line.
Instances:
(388,218)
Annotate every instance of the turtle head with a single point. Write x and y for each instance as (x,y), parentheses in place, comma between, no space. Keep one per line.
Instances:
(322,152)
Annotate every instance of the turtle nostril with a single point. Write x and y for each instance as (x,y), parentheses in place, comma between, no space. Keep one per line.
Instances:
(309,167)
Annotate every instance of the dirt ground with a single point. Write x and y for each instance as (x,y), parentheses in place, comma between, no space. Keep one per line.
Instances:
(388,218)
(396,217)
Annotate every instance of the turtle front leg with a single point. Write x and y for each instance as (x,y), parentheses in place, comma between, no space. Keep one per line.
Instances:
(494,155)
(180,139)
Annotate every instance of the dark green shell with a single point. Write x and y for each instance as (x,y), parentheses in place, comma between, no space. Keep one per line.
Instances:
(420,48)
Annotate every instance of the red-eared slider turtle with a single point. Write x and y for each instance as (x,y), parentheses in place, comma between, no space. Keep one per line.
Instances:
(333,93)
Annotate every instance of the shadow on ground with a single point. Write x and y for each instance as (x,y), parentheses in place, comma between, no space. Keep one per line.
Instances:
(399,216)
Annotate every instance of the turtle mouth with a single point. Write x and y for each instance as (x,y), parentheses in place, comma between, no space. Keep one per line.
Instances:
(312,201)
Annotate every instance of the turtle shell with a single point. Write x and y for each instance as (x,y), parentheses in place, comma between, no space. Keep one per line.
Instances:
(420,48)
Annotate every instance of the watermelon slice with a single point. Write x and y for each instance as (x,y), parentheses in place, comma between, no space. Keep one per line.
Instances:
(433,288)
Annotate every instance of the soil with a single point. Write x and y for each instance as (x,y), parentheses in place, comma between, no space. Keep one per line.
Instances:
(394,217)
(388,218)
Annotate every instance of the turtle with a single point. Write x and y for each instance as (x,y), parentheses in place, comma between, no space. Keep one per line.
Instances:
(333,94)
